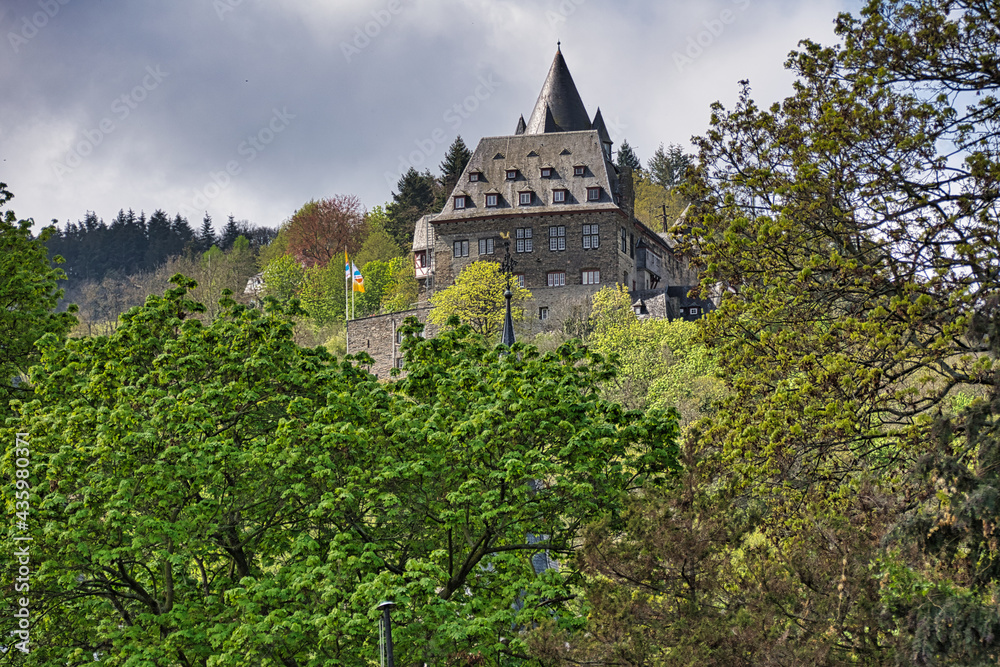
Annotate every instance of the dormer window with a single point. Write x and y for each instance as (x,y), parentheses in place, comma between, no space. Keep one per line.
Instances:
(492,200)
(525,198)
(511,174)
(460,201)
(559,196)
(475,176)
(546,172)
(594,194)
(579,170)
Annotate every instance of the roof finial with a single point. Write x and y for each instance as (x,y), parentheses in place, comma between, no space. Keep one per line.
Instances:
(559,47)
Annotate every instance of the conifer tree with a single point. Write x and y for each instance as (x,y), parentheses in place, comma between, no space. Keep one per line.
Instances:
(627,157)
(454,164)
(415,197)
(668,166)
(206,235)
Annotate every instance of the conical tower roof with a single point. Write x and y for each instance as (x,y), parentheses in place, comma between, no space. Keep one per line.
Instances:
(559,107)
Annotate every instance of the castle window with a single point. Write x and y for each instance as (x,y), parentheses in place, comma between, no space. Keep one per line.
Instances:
(491,199)
(579,170)
(511,174)
(475,176)
(593,194)
(399,337)
(546,172)
(543,313)
(524,198)
(591,241)
(557,238)
(485,246)
(624,241)
(591,277)
(522,237)
(399,362)
(460,201)
(460,249)
(556,278)
(559,196)
(631,247)
(519,279)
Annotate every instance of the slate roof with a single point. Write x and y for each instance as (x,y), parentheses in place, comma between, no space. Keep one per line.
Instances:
(528,154)
(423,233)
(559,107)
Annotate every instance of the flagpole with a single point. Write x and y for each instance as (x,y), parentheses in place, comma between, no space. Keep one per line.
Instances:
(347,283)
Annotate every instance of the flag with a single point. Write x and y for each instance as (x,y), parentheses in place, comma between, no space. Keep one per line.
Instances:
(359,280)
(347,265)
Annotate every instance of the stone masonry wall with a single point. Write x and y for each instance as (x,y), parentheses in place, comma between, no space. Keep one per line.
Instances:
(376,335)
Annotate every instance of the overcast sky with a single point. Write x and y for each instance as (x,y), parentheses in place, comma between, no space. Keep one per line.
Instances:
(252,108)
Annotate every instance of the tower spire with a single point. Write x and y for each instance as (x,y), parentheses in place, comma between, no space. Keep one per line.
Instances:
(560,101)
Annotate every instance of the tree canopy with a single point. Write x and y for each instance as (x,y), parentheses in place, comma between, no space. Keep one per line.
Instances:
(414,197)
(213,492)
(28,298)
(322,230)
(477,298)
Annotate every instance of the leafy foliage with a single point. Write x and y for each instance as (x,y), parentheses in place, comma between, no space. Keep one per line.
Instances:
(378,245)
(28,297)
(213,493)
(476,298)
(856,248)
(321,230)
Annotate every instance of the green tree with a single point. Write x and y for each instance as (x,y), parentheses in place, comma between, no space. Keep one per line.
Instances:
(454,163)
(213,493)
(28,298)
(404,291)
(379,280)
(321,292)
(415,197)
(853,229)
(656,207)
(477,298)
(284,276)
(627,157)
(660,362)
(379,244)
(668,167)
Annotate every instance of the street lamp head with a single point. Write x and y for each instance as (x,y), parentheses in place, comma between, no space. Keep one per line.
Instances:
(385,604)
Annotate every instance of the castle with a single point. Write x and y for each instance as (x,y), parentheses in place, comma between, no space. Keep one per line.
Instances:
(554,191)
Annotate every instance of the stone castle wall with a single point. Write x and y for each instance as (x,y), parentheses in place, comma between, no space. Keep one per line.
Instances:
(377,336)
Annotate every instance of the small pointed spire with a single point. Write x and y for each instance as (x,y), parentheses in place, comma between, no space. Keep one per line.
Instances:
(520,125)
(559,107)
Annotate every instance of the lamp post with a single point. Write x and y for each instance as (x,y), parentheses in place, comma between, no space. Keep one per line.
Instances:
(385,635)
(507,337)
